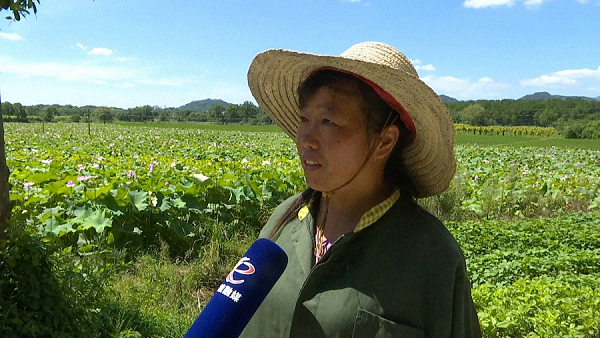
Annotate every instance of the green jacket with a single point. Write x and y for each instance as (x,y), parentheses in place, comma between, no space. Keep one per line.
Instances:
(403,276)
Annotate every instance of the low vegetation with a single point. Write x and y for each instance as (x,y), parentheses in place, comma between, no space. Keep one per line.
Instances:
(129,229)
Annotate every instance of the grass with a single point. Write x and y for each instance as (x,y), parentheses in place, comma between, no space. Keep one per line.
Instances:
(461,138)
(207,126)
(527,141)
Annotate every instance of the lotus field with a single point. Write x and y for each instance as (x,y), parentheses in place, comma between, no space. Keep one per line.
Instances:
(528,219)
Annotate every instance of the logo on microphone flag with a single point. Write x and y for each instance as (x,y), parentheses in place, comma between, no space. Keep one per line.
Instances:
(248,270)
(243,267)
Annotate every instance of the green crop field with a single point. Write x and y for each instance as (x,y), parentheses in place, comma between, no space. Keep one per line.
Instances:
(141,223)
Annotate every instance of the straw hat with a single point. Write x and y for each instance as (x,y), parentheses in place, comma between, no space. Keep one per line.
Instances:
(274,77)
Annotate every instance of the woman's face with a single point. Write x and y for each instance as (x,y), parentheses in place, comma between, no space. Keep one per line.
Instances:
(332,140)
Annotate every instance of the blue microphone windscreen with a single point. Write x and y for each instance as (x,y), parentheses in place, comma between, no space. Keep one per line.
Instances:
(242,292)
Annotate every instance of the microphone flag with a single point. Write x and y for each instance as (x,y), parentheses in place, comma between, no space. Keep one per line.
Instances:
(241,293)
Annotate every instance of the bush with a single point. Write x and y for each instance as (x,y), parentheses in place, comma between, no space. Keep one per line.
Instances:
(563,306)
(591,130)
(573,131)
(32,303)
(534,277)
(47,292)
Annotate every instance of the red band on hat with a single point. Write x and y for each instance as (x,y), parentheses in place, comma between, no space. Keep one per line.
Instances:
(386,97)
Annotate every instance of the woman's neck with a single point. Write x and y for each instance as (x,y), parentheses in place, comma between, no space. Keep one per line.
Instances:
(347,207)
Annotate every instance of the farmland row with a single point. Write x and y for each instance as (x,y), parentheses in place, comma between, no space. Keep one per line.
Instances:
(202,195)
(133,184)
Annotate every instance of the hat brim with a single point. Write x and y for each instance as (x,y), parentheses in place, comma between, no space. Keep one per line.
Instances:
(274,77)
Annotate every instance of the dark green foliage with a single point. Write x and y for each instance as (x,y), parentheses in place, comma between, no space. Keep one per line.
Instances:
(536,277)
(562,114)
(589,130)
(45,292)
(32,302)
(209,111)
(18,8)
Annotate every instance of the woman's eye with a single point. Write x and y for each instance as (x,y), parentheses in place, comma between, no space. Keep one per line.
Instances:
(327,121)
(303,119)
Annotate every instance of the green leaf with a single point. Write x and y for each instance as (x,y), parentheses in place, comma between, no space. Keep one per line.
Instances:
(168,203)
(138,199)
(52,226)
(201,179)
(41,177)
(92,219)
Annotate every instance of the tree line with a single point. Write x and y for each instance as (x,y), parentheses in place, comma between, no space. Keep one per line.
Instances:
(571,117)
(245,113)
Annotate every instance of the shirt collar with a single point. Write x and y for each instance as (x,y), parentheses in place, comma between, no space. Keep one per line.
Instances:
(370,217)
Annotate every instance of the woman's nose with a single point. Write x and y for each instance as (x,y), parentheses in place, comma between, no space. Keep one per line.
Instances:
(307,136)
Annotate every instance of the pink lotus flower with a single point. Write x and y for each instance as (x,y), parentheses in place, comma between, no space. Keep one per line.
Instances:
(70,184)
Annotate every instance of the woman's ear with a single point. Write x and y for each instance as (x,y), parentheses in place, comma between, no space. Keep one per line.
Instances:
(388,139)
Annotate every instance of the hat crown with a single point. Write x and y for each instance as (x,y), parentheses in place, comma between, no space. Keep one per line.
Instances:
(380,53)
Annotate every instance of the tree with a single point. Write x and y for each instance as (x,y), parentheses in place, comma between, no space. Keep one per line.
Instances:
(7,108)
(18,8)
(5,205)
(104,114)
(232,114)
(20,112)
(217,112)
(49,113)
(32,111)
(473,114)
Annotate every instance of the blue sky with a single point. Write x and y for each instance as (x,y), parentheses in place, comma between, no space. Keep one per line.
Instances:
(167,53)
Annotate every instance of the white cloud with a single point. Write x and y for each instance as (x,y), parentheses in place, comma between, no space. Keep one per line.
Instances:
(508,3)
(549,80)
(580,73)
(11,36)
(429,67)
(533,3)
(100,51)
(417,64)
(80,46)
(64,71)
(350,0)
(464,88)
(585,2)
(563,78)
(487,3)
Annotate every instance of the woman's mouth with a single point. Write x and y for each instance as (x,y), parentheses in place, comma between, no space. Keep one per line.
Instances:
(309,165)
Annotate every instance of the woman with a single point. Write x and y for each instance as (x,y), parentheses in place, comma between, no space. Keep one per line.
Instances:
(364,260)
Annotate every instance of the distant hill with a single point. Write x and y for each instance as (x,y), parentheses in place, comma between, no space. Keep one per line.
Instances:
(548,96)
(202,105)
(535,96)
(448,99)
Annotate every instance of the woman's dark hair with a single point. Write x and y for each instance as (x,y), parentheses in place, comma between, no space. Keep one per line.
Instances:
(378,116)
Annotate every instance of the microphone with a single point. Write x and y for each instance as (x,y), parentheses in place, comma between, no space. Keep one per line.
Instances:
(241,293)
